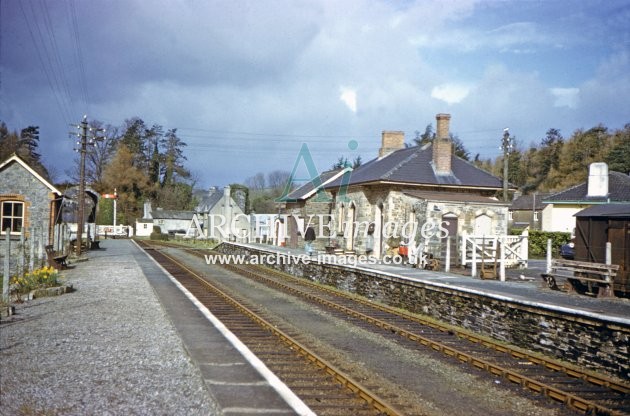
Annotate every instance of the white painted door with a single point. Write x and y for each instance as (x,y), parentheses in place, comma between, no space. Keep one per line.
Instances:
(483,225)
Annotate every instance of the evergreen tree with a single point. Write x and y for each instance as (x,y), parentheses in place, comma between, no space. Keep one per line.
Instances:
(25,145)
(173,158)
(618,158)
(426,137)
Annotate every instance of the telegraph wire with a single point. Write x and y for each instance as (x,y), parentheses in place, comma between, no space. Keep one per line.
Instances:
(60,105)
(55,70)
(79,54)
(47,23)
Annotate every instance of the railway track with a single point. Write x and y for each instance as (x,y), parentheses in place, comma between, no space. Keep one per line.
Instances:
(581,390)
(321,386)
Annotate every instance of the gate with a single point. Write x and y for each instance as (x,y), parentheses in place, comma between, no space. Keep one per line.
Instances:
(500,251)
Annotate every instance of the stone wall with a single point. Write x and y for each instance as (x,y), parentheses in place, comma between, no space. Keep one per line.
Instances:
(316,214)
(584,340)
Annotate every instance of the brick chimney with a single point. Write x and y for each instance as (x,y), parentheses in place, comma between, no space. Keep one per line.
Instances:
(442,145)
(391,141)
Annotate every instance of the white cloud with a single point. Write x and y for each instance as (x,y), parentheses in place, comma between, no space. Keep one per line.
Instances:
(566,97)
(450,93)
(217,66)
(349,97)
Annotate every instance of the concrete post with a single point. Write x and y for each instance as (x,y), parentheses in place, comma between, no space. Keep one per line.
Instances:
(501,247)
(549,255)
(608,253)
(7,266)
(21,250)
(463,249)
(473,272)
(40,252)
(447,264)
(31,252)
(525,246)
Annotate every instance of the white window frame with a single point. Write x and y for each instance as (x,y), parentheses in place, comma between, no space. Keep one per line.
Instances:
(12,216)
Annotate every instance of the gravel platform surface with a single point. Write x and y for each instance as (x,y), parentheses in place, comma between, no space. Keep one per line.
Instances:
(108,348)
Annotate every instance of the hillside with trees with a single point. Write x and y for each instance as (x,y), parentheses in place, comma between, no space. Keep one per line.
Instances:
(556,163)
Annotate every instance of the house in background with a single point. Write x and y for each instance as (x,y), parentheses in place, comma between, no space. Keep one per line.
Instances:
(222,214)
(178,222)
(144,225)
(27,201)
(417,185)
(602,187)
(526,211)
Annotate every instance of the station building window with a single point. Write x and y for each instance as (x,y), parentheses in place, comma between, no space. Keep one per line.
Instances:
(12,216)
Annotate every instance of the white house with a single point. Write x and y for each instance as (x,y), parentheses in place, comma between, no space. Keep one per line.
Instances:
(602,187)
(222,215)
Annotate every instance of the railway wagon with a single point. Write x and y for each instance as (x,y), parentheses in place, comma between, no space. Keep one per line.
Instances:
(601,224)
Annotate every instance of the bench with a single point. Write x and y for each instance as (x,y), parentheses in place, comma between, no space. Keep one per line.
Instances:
(582,277)
(55,259)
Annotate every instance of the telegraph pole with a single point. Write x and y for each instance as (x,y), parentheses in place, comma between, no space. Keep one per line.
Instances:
(86,137)
(506,146)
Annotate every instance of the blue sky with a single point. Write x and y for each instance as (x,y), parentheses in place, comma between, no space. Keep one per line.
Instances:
(247,82)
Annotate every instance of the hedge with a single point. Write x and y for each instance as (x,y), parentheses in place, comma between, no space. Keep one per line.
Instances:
(538,241)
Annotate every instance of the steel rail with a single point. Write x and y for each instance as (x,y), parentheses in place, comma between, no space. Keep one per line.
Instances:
(361,391)
(515,352)
(569,399)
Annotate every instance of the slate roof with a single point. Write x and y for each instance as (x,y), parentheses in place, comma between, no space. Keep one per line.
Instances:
(414,165)
(526,202)
(207,202)
(618,191)
(606,210)
(168,214)
(305,190)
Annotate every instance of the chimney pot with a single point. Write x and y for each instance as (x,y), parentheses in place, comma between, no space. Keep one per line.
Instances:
(442,145)
(391,141)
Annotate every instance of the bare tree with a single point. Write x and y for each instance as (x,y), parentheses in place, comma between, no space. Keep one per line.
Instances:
(99,156)
(256,182)
(277,180)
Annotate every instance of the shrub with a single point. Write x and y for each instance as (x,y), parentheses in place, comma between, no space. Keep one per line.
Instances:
(538,242)
(157,234)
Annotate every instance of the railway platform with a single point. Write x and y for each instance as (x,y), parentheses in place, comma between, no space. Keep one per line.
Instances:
(523,286)
(128,340)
